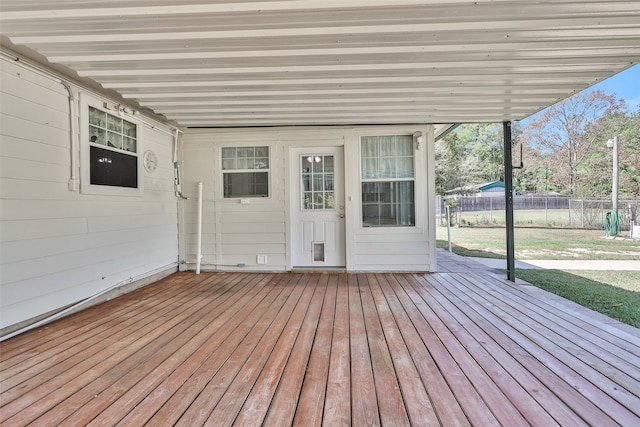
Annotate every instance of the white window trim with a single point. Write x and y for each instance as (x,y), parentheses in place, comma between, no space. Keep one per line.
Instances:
(223,171)
(86,187)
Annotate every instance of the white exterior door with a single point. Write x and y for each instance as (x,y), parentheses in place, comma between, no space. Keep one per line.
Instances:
(318,230)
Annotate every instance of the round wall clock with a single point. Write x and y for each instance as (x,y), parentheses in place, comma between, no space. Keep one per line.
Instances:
(150,161)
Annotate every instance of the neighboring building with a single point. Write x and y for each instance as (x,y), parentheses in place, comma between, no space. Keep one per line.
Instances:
(488,189)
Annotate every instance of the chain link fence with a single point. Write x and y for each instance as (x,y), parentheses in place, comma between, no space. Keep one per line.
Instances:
(552,211)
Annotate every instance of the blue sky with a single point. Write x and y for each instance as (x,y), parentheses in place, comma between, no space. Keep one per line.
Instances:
(625,85)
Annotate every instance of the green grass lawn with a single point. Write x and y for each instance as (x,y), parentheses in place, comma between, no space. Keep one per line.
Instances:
(539,243)
(549,217)
(613,293)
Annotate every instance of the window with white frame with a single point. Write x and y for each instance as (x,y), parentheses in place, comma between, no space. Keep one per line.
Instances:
(388,179)
(113,149)
(245,171)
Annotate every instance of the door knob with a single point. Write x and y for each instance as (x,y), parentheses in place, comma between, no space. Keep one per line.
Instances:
(341,215)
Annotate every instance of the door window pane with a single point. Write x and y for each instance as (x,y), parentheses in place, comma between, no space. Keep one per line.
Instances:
(317,182)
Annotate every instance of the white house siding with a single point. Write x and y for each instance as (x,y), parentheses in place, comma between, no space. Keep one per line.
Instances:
(59,247)
(234,234)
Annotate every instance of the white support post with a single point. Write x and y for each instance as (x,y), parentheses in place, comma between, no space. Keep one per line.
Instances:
(199,242)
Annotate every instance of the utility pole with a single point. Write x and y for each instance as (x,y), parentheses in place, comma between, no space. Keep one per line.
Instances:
(613,143)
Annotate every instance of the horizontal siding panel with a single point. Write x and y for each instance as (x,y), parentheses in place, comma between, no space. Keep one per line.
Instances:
(262,204)
(16,189)
(129,222)
(32,85)
(43,228)
(396,248)
(275,261)
(35,171)
(253,238)
(191,206)
(272,227)
(253,249)
(208,250)
(37,113)
(126,247)
(40,209)
(399,236)
(389,261)
(160,179)
(252,217)
(208,228)
(208,245)
(35,151)
(86,279)
(43,297)
(22,250)
(24,129)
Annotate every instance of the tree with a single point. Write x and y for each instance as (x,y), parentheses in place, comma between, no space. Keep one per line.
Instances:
(470,155)
(560,134)
(598,164)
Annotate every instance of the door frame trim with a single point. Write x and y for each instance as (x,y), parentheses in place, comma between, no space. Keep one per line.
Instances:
(293,156)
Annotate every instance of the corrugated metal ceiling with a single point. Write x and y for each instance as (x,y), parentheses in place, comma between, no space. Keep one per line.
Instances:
(325,62)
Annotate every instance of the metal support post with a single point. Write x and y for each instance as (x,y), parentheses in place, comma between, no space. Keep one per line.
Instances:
(508,198)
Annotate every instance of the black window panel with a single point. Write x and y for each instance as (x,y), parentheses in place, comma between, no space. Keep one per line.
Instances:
(113,169)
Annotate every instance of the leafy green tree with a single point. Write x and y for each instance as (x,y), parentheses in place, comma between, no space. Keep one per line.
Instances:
(561,135)
(471,155)
(598,164)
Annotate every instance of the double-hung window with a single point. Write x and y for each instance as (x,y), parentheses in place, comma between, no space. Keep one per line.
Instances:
(387,178)
(245,171)
(113,150)
(111,147)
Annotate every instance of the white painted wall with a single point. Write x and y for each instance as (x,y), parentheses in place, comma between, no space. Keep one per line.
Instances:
(58,246)
(235,233)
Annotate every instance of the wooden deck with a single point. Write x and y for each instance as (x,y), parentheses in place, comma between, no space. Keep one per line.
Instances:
(454,348)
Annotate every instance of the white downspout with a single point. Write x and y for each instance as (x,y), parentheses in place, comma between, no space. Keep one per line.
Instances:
(199,241)
(176,167)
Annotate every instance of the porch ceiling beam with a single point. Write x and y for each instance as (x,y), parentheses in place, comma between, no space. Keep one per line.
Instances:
(342,118)
(339,120)
(470,92)
(224,8)
(336,114)
(344,78)
(91,9)
(424,68)
(224,104)
(302,108)
(419,82)
(443,51)
(581,27)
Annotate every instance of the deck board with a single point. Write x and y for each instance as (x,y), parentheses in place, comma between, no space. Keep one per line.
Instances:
(581,368)
(464,347)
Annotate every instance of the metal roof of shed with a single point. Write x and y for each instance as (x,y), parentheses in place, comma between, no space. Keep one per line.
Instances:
(328,62)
